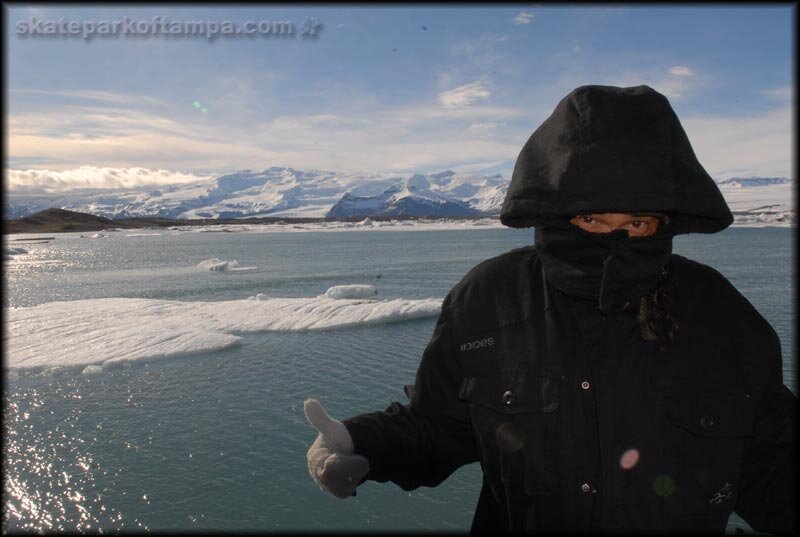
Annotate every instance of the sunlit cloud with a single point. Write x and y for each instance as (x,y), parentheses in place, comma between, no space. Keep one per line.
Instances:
(779,94)
(754,145)
(482,130)
(675,84)
(108,97)
(523,18)
(465,95)
(680,70)
(429,137)
(90,177)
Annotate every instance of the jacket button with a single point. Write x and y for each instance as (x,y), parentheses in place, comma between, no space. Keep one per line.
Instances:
(585,385)
(707,422)
(585,488)
(508,398)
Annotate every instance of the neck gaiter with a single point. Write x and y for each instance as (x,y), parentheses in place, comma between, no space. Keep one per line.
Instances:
(615,269)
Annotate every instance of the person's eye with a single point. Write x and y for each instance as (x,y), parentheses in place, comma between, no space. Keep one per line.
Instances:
(638,224)
(587,219)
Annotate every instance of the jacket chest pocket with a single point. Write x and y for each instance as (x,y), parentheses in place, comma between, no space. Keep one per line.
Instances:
(513,415)
(705,434)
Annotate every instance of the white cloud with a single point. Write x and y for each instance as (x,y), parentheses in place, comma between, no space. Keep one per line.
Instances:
(63,137)
(133,149)
(779,94)
(680,70)
(91,177)
(744,145)
(672,86)
(129,99)
(465,95)
(523,18)
(110,133)
(482,130)
(484,167)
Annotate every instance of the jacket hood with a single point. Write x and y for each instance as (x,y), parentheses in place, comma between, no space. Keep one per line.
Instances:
(610,149)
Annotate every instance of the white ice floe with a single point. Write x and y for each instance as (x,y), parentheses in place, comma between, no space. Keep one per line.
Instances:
(98,236)
(92,370)
(218,265)
(352,291)
(117,330)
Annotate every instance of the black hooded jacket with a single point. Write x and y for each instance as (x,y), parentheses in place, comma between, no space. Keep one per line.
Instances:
(579,420)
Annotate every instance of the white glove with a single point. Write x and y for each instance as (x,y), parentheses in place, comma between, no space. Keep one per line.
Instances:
(331,461)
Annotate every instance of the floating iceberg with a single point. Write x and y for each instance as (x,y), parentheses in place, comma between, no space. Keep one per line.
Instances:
(352,291)
(112,330)
(92,370)
(218,265)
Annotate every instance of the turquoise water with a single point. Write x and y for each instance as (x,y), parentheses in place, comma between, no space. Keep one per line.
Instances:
(218,440)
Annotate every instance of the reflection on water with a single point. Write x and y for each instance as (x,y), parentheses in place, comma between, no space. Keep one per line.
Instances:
(50,473)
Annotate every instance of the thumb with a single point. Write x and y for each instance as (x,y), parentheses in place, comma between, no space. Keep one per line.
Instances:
(333,431)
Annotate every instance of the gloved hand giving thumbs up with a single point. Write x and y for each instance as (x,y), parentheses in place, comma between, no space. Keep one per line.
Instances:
(331,461)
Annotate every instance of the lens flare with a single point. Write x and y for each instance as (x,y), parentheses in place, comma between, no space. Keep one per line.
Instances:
(664,486)
(629,459)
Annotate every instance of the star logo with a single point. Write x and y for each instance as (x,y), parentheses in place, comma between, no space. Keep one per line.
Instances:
(311,27)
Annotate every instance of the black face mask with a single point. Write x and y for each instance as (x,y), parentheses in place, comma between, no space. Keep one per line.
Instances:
(615,269)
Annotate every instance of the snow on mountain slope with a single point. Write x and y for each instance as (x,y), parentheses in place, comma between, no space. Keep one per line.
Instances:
(415,196)
(760,200)
(288,192)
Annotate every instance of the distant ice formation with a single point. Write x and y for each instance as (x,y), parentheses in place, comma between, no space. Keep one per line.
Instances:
(218,265)
(92,370)
(100,332)
(351,291)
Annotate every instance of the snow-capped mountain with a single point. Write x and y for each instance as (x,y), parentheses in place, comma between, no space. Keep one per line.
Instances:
(760,200)
(415,196)
(288,192)
(749,182)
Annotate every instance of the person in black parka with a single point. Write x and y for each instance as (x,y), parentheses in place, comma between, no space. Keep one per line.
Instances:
(601,381)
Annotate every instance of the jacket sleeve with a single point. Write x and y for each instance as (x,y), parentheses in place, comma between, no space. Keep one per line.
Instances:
(421,443)
(767,491)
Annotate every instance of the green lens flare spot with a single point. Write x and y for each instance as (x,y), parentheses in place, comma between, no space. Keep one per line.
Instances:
(197,104)
(664,486)
(204,110)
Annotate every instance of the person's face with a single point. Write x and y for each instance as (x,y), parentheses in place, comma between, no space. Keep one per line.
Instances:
(637,226)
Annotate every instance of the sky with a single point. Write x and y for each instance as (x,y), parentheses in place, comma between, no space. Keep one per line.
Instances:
(393,88)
